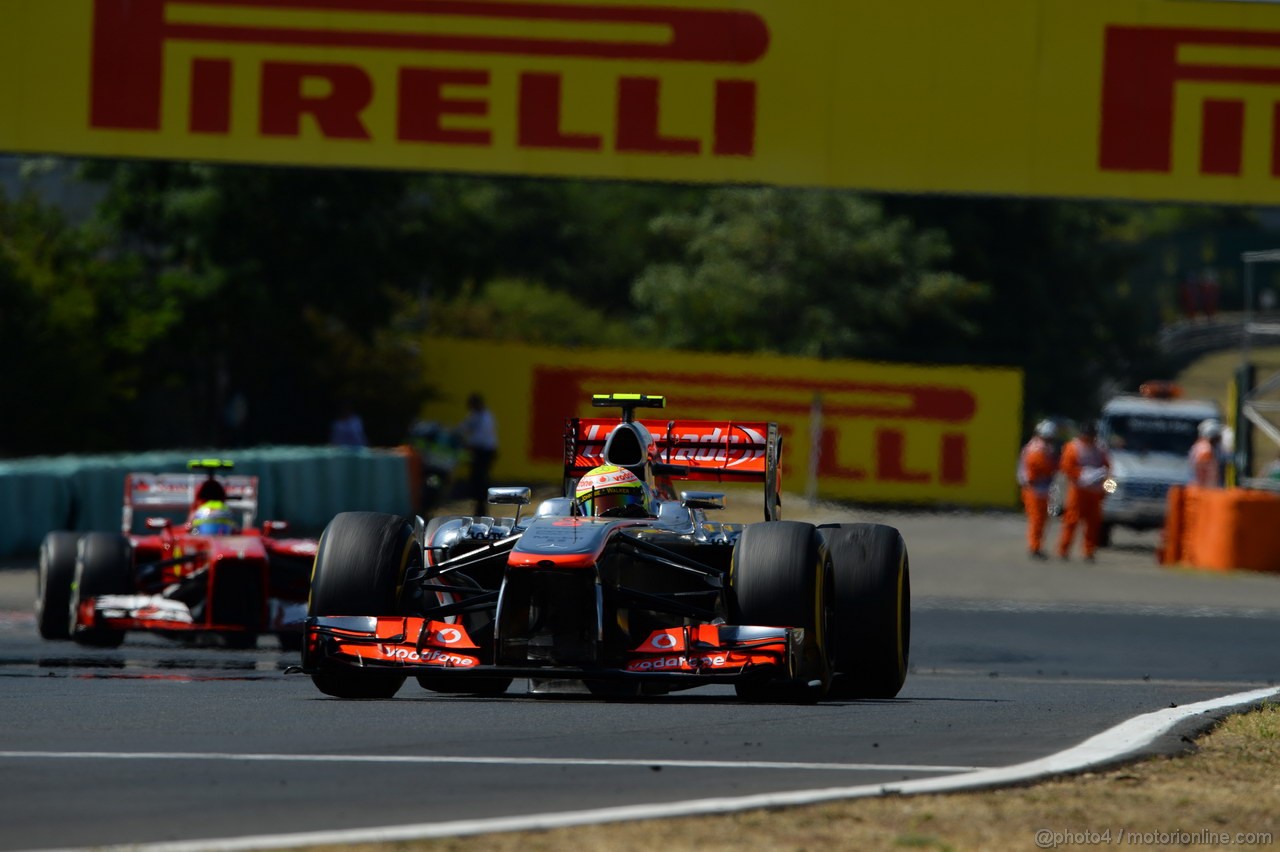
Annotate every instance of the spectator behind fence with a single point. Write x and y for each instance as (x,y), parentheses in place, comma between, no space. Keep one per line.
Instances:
(478,432)
(347,430)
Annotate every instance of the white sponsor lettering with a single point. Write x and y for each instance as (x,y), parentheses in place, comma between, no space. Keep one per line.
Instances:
(713,447)
(429,655)
(681,662)
(143,608)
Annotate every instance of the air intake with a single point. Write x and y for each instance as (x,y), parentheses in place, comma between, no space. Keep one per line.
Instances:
(627,446)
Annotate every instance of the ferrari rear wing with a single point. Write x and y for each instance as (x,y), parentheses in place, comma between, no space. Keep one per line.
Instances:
(176,492)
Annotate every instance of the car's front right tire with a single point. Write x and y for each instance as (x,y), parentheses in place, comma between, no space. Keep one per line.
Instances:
(104,566)
(780,578)
(361,562)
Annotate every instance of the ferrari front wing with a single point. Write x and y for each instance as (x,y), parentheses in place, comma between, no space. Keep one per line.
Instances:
(156,612)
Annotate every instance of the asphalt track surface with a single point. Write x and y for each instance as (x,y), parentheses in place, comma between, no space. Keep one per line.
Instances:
(1012,661)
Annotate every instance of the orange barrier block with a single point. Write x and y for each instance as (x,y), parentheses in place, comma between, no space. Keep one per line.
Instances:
(1170,549)
(413,471)
(1192,512)
(1224,529)
(1216,526)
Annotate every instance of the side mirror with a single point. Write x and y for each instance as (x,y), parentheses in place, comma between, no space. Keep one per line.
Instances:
(269,527)
(158,523)
(702,499)
(518,496)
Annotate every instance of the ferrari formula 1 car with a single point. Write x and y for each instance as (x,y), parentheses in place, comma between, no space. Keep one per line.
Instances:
(595,592)
(212,576)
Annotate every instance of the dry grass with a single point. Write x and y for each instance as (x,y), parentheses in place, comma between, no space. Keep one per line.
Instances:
(1229,785)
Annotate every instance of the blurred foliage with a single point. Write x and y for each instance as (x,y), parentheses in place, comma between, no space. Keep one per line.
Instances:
(68,347)
(806,272)
(1062,307)
(581,238)
(513,310)
(219,305)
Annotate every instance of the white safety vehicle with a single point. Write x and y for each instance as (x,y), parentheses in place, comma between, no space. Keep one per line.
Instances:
(1149,435)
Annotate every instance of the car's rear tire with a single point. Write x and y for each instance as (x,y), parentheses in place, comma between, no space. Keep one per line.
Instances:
(871,620)
(53,584)
(361,562)
(104,566)
(779,578)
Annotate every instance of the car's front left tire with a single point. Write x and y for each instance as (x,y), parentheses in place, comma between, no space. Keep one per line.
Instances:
(871,612)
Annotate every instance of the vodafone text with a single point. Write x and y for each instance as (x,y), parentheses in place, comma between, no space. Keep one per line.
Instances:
(714,661)
(429,655)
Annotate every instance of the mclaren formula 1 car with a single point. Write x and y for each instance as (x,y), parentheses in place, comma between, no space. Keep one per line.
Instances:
(213,576)
(588,595)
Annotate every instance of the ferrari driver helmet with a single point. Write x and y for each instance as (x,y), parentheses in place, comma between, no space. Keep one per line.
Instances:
(214,518)
(610,491)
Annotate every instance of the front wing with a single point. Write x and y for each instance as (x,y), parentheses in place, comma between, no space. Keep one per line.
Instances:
(156,612)
(706,653)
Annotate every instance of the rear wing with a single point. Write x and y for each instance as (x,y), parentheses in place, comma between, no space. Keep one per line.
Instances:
(176,492)
(695,450)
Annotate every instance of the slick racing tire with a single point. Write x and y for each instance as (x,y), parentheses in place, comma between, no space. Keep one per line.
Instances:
(871,619)
(104,566)
(361,562)
(779,578)
(53,584)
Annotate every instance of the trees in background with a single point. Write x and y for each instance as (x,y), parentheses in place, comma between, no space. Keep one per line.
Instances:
(806,272)
(214,305)
(70,352)
(239,305)
(1079,290)
(1062,303)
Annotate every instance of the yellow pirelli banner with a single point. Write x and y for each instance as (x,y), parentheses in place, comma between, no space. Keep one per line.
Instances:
(1141,99)
(889,433)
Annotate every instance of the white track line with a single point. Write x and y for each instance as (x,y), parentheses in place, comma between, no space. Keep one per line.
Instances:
(1124,740)
(501,761)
